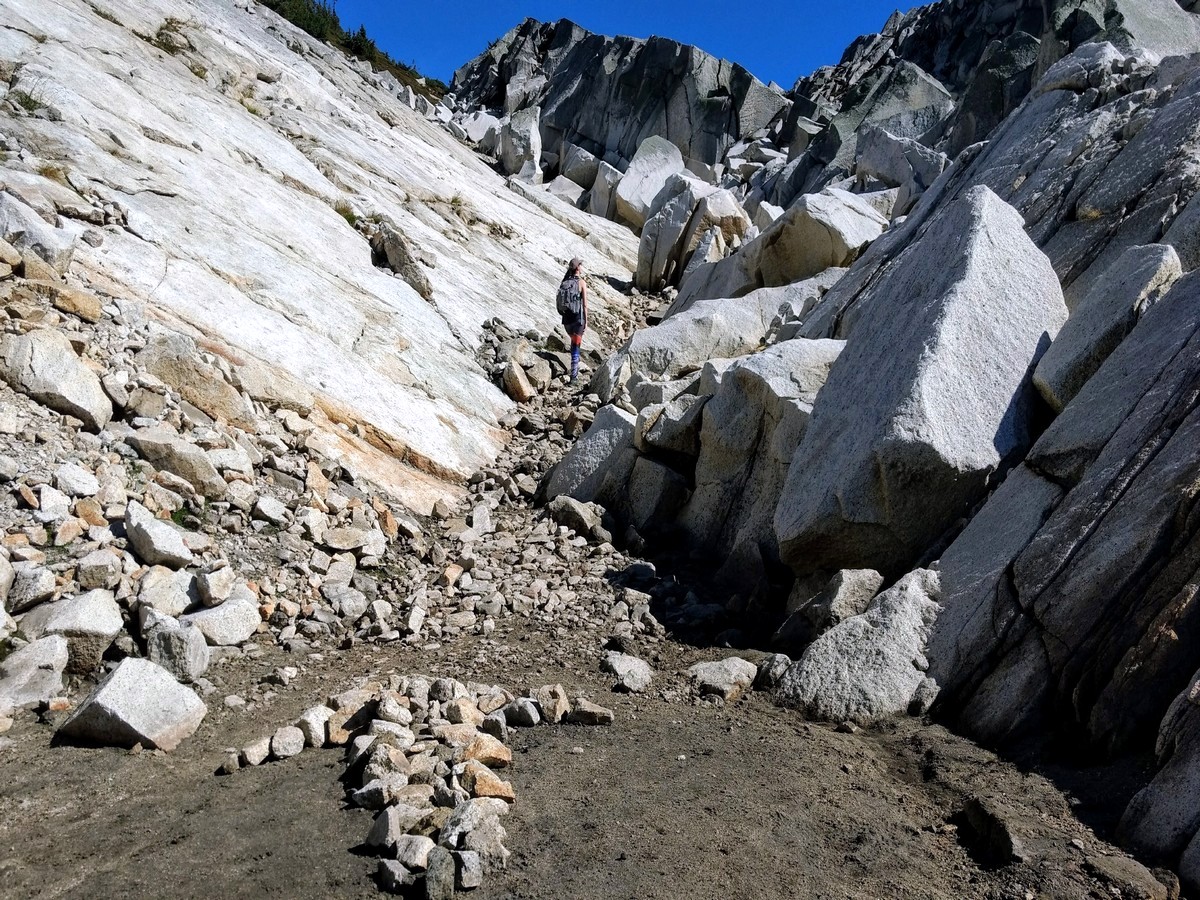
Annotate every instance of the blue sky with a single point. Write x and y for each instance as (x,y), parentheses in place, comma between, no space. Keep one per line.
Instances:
(775,40)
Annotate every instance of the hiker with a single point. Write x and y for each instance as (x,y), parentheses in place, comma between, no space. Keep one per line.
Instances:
(572,306)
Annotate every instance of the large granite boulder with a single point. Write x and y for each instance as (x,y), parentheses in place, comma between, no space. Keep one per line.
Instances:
(930,397)
(581,473)
(650,171)
(869,666)
(750,430)
(1067,600)
(819,232)
(34,673)
(139,703)
(662,238)
(43,365)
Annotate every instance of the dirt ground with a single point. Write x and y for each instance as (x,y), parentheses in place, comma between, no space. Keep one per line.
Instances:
(676,799)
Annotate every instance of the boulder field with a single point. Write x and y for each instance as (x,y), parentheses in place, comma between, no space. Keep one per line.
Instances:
(890,386)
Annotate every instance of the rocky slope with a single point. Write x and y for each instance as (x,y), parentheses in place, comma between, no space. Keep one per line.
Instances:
(220,166)
(281,380)
(987,415)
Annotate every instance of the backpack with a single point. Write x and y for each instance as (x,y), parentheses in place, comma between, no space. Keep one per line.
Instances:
(569,301)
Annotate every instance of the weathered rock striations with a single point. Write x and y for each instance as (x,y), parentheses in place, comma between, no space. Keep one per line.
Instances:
(238,209)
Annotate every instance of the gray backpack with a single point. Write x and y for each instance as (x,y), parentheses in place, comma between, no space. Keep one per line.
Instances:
(570,298)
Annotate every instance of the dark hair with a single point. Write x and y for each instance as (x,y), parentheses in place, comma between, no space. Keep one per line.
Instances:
(573,268)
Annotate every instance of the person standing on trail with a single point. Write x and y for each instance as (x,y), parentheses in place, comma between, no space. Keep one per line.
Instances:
(572,306)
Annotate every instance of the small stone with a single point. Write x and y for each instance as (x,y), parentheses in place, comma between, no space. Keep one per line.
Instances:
(464,711)
(156,542)
(413,851)
(633,675)
(584,712)
(31,585)
(231,763)
(481,781)
(470,869)
(287,742)
(76,481)
(394,877)
(392,824)
(99,569)
(312,724)
(494,725)
(256,754)
(270,510)
(727,679)
(522,712)
(440,875)
(552,703)
(216,585)
(181,650)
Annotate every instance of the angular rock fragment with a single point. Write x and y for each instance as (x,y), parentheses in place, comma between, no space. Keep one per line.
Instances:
(34,673)
(957,400)
(155,541)
(726,678)
(870,666)
(138,703)
(633,675)
(43,365)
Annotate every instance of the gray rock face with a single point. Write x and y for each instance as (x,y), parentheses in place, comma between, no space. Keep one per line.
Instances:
(700,104)
(1061,594)
(155,541)
(987,57)
(672,427)
(818,232)
(521,145)
(1107,313)
(582,471)
(138,703)
(750,430)
(43,365)
(870,666)
(978,313)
